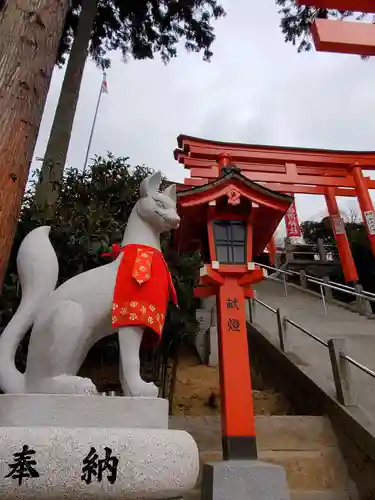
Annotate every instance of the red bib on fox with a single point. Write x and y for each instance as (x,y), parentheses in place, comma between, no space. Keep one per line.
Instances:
(142,291)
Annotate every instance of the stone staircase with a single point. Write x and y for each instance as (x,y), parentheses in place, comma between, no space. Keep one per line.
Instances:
(305,446)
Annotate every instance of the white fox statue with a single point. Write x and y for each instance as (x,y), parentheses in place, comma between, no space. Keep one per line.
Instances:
(67,321)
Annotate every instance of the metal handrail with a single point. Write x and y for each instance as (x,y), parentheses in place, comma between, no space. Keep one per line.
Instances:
(360,366)
(334,283)
(315,337)
(275,269)
(328,284)
(265,305)
(341,290)
(341,285)
(351,360)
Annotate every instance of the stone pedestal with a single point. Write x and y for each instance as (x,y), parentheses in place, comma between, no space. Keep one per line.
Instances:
(244,480)
(92,448)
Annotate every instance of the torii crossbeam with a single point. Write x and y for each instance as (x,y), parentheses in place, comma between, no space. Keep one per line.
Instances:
(343,36)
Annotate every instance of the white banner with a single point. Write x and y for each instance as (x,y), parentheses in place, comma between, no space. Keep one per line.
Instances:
(204,320)
(370,221)
(338,224)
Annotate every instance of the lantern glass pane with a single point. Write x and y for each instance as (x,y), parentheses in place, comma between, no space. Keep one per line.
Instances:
(239,255)
(230,241)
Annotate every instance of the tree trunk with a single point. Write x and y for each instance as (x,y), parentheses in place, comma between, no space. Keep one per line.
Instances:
(47,190)
(30,32)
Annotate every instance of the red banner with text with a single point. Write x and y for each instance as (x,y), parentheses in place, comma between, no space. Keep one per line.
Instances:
(293,229)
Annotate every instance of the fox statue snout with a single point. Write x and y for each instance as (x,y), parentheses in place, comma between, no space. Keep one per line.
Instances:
(175,222)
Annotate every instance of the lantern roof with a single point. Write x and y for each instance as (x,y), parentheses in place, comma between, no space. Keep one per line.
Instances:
(232,178)
(231,196)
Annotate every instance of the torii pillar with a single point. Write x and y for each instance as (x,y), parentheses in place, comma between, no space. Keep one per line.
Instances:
(365,203)
(339,232)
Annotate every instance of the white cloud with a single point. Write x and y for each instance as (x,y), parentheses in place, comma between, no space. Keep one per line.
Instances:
(257,89)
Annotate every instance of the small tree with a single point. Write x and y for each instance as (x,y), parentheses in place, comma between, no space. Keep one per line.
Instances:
(360,247)
(351,214)
(312,231)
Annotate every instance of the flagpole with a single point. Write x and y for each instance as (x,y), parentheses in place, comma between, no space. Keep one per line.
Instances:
(93,124)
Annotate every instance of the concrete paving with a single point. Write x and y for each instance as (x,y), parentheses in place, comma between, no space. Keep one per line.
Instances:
(313,358)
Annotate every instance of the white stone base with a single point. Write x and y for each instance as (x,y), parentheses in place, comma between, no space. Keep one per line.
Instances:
(152,462)
(244,480)
(82,411)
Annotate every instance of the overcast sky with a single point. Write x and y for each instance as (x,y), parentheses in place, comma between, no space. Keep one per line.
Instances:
(257,89)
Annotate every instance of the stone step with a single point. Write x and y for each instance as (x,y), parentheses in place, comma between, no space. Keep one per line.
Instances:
(305,446)
(310,470)
(305,470)
(291,432)
(286,432)
(317,495)
(294,495)
(192,495)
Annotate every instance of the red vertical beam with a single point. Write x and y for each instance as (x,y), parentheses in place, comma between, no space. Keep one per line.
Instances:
(224,159)
(210,232)
(237,412)
(365,203)
(249,240)
(345,253)
(272,250)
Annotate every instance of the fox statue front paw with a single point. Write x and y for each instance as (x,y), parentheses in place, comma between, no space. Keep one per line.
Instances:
(141,389)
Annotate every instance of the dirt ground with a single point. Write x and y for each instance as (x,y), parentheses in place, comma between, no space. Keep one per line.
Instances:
(197,389)
(197,392)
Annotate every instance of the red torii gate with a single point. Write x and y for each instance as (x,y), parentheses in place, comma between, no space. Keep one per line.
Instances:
(343,36)
(290,170)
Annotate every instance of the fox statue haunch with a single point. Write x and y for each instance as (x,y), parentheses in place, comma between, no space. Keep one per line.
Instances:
(67,321)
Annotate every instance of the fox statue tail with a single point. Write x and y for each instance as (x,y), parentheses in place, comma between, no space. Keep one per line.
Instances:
(38,270)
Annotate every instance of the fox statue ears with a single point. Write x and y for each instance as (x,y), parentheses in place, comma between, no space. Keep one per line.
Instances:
(151,184)
(170,191)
